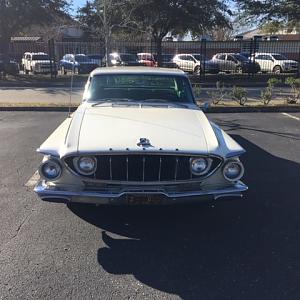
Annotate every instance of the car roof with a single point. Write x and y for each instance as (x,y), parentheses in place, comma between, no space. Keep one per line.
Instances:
(137,70)
(267,53)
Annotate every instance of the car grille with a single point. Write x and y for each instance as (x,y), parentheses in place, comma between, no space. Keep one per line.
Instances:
(143,168)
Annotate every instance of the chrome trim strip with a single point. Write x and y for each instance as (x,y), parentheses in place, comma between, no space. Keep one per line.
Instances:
(127,167)
(43,192)
(144,162)
(176,167)
(159,171)
(236,153)
(110,169)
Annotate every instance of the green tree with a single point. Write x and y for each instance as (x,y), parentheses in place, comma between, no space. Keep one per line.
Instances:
(161,17)
(285,13)
(102,18)
(16,14)
(154,18)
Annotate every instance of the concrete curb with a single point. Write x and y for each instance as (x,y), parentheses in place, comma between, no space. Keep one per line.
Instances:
(215,109)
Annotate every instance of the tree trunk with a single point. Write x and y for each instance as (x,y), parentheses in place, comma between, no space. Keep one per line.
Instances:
(158,45)
(4,49)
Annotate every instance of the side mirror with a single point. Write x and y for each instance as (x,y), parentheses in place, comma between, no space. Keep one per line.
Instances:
(205,106)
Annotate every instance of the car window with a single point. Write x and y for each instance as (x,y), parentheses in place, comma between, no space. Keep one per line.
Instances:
(279,57)
(40,57)
(230,58)
(221,56)
(82,58)
(140,88)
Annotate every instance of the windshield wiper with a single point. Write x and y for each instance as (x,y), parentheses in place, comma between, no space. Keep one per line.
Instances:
(167,102)
(111,100)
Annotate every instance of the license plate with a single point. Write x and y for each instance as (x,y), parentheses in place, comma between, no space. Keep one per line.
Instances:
(143,199)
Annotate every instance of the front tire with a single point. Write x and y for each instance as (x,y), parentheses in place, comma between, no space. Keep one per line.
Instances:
(63,71)
(239,70)
(277,70)
(197,71)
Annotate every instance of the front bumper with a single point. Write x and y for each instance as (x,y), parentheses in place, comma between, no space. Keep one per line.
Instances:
(106,198)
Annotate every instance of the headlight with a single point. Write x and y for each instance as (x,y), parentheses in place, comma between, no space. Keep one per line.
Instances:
(85,165)
(233,170)
(200,166)
(50,170)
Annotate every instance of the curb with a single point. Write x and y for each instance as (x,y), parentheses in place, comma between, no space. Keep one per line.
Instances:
(215,109)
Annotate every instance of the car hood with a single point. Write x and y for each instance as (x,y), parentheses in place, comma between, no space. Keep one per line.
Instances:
(85,62)
(289,61)
(41,61)
(119,129)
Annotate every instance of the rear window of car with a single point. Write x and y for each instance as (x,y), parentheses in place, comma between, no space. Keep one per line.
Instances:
(40,57)
(140,87)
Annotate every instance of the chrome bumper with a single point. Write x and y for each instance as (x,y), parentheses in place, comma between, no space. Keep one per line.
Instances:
(61,196)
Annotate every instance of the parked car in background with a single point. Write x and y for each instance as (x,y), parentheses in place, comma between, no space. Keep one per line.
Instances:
(139,138)
(78,63)
(122,59)
(38,63)
(166,61)
(10,67)
(236,63)
(96,58)
(196,64)
(276,63)
(147,59)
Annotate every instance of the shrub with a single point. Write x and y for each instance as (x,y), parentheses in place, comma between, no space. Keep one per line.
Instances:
(239,94)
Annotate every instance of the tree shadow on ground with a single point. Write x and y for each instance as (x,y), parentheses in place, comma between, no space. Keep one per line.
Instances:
(241,249)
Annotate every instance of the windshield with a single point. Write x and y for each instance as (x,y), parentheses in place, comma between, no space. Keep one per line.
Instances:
(40,57)
(240,57)
(94,56)
(167,58)
(128,57)
(279,57)
(81,58)
(138,87)
(198,57)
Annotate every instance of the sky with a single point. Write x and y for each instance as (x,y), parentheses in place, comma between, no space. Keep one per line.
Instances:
(78,3)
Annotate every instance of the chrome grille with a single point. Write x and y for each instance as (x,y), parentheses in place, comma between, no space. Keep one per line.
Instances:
(143,168)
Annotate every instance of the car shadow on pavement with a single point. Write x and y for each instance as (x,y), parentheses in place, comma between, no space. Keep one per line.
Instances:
(241,249)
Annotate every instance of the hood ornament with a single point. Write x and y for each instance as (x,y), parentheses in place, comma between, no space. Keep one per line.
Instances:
(144,142)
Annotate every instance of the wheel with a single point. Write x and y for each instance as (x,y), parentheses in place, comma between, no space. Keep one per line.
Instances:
(243,100)
(277,70)
(76,71)
(239,70)
(197,71)
(63,70)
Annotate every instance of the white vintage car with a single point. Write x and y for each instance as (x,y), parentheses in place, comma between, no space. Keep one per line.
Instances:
(139,138)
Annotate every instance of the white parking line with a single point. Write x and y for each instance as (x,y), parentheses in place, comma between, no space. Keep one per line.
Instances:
(33,180)
(291,116)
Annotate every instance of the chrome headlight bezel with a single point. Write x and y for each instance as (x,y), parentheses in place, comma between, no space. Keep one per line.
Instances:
(208,162)
(54,163)
(240,174)
(80,170)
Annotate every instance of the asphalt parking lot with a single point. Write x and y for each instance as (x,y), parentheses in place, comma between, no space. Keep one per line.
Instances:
(242,249)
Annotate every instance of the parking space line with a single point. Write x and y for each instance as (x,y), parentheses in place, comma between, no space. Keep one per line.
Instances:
(291,116)
(33,180)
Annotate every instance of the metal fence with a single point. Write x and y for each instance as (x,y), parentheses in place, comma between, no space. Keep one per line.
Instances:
(262,57)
